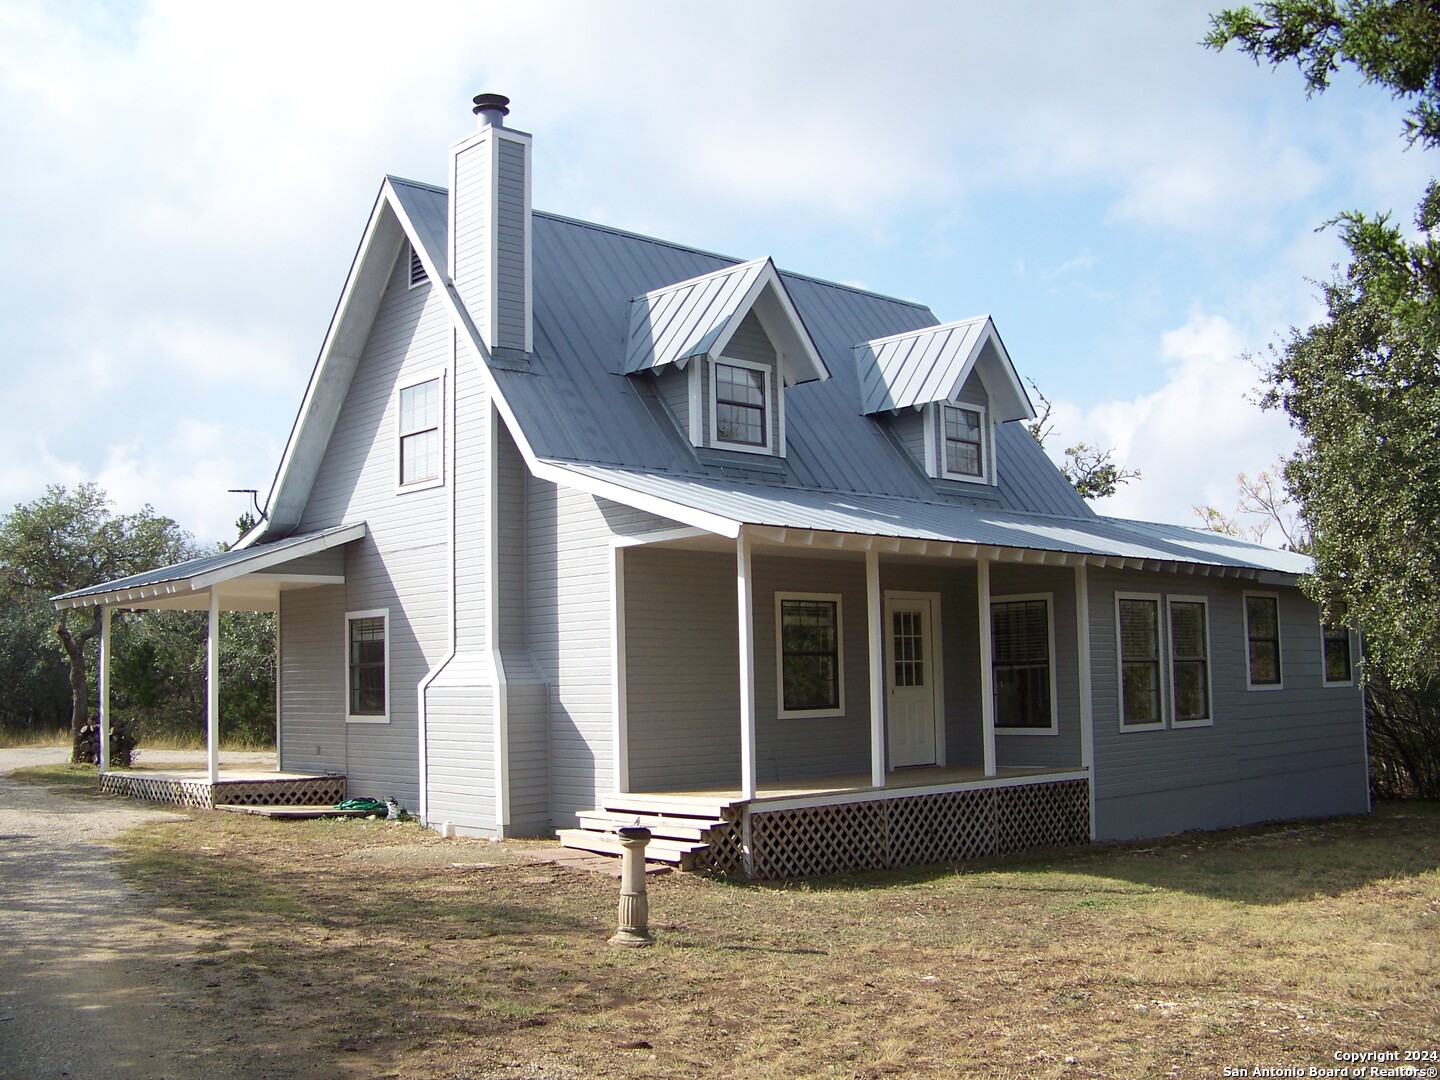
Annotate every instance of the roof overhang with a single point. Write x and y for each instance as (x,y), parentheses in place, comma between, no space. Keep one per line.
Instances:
(243,579)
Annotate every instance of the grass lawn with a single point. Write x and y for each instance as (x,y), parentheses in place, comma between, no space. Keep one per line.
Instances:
(382,945)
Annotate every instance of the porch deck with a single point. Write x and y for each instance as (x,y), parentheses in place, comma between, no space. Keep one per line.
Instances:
(235,787)
(814,790)
(828,825)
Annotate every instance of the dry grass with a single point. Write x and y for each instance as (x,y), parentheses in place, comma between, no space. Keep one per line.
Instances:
(383,950)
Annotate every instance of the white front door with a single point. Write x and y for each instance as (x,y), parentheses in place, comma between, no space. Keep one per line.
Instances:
(910,681)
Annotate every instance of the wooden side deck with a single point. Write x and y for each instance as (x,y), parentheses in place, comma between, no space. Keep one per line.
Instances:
(235,787)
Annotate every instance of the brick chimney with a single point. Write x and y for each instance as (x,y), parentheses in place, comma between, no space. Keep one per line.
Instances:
(490,228)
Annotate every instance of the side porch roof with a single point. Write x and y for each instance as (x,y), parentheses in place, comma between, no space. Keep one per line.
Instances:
(245,579)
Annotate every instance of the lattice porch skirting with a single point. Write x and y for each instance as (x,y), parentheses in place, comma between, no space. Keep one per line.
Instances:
(184,791)
(903,830)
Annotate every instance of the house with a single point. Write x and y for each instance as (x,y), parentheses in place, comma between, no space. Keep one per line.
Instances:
(577,527)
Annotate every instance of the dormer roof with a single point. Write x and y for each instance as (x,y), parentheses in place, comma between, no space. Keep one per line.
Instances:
(921,366)
(698,316)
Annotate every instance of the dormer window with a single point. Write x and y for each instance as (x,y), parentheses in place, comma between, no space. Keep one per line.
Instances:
(740,408)
(964,449)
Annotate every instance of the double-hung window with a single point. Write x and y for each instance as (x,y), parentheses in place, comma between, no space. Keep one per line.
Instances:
(1189,661)
(1335,633)
(962,439)
(1262,637)
(742,395)
(1137,619)
(807,631)
(419,443)
(1021,647)
(367,666)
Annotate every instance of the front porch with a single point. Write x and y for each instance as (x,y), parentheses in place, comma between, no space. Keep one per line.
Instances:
(844,823)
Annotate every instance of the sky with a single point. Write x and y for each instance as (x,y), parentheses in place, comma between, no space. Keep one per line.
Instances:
(183,186)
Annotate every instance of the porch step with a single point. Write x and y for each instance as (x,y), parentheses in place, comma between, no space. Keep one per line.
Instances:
(675,852)
(661,826)
(659,804)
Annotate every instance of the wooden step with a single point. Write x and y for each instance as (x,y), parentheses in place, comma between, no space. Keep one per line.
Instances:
(700,806)
(675,852)
(660,826)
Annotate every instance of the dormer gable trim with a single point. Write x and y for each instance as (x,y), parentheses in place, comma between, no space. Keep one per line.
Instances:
(919,367)
(699,316)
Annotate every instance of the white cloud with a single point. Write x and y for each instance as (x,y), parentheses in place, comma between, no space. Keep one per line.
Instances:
(1190,438)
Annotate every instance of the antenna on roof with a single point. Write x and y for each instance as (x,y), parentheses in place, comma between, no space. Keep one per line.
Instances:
(254,498)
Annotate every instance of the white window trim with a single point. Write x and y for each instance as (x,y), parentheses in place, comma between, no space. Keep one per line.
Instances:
(1160,689)
(419,379)
(1049,598)
(1209,719)
(1325,679)
(809,714)
(986,454)
(773,401)
(1279,641)
(382,614)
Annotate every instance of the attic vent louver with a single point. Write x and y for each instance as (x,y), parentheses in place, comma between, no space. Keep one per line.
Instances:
(418,276)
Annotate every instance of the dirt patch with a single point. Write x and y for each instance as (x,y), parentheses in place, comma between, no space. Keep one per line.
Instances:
(381,947)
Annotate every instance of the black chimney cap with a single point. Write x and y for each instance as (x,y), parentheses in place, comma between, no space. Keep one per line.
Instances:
(486,102)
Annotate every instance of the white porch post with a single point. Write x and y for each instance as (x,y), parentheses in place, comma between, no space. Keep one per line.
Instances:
(618,664)
(104,689)
(987,674)
(875,619)
(745,609)
(212,689)
(1082,652)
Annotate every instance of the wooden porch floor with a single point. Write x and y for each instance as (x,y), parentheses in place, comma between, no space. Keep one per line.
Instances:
(897,780)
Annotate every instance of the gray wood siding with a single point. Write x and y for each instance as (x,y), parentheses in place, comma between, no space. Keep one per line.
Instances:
(568,571)
(400,565)
(793,747)
(471,218)
(682,669)
(460,718)
(1062,748)
(673,388)
(460,752)
(1270,754)
(510,243)
(908,428)
(312,679)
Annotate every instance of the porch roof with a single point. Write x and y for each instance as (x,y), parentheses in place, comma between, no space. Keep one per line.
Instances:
(245,579)
(726,506)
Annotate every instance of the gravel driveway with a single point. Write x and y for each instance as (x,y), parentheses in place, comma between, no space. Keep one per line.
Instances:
(86,970)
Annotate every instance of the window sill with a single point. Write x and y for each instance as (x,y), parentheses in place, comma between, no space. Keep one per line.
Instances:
(1156,725)
(1051,730)
(1208,721)
(422,485)
(367,719)
(809,714)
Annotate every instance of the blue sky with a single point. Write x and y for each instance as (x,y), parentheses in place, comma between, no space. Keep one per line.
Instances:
(184,186)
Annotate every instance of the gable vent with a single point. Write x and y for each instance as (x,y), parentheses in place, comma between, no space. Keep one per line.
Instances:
(418,276)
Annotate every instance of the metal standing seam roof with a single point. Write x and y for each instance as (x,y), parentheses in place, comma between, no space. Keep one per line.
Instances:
(909,519)
(200,573)
(685,320)
(926,365)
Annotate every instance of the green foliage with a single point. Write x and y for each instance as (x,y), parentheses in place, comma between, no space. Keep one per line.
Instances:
(1363,387)
(1091,471)
(1404,734)
(1392,43)
(34,686)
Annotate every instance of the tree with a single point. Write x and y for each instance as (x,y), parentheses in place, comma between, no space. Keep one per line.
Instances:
(1362,388)
(65,541)
(1089,469)
(1261,503)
